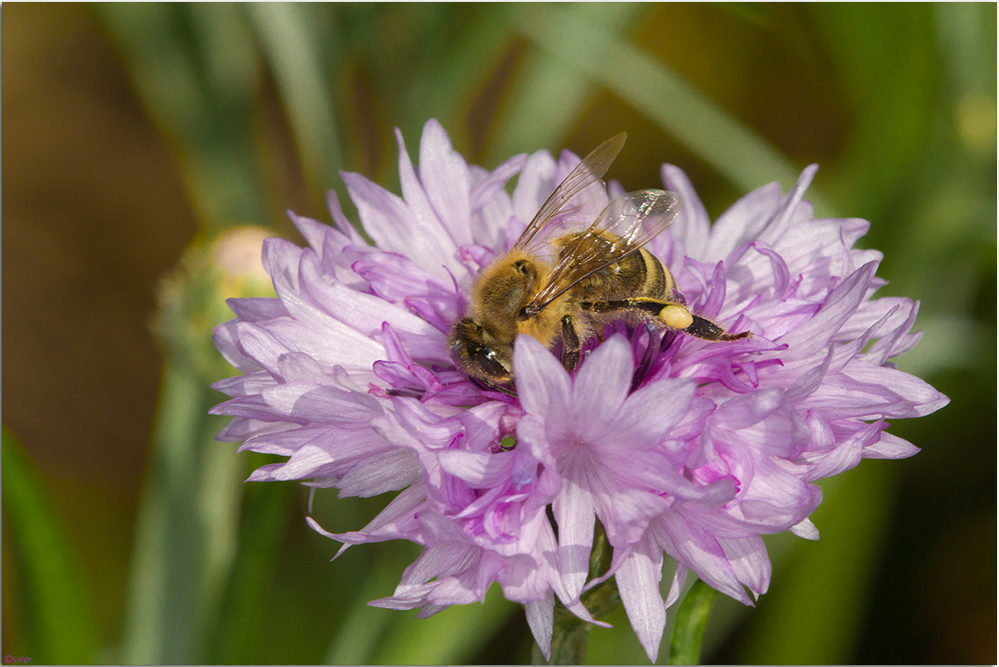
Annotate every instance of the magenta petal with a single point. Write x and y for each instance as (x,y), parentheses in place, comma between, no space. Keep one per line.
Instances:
(574,515)
(479,469)
(638,583)
(689,544)
(532,433)
(741,222)
(414,194)
(488,188)
(890,447)
(691,227)
(391,471)
(536,182)
(226,340)
(445,176)
(792,209)
(313,231)
(748,556)
(541,618)
(602,384)
(257,309)
(810,337)
(805,529)
(658,407)
(678,445)
(922,398)
(394,227)
(542,382)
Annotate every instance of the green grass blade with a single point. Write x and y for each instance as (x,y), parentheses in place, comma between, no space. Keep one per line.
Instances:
(163,593)
(60,622)
(298,69)
(551,93)
(453,82)
(737,152)
(236,640)
(185,530)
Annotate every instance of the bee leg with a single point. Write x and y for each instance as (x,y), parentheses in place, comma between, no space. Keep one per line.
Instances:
(673,315)
(650,306)
(708,330)
(570,341)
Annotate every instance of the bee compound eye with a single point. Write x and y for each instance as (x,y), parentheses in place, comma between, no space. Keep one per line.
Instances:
(522,266)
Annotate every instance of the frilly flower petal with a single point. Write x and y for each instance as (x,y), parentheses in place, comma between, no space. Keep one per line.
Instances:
(678,446)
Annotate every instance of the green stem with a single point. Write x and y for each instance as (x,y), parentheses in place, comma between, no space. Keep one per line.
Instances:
(163,594)
(570,633)
(691,619)
(239,624)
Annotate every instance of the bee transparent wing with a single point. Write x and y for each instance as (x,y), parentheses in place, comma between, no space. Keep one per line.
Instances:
(638,217)
(626,224)
(557,207)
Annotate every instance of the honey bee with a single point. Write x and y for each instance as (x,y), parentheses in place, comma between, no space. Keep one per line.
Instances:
(562,282)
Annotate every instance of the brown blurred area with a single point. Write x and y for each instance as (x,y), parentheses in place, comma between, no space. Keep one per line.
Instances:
(94,213)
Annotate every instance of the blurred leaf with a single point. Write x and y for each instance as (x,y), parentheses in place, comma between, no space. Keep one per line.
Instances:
(163,590)
(194,68)
(966,35)
(59,613)
(365,629)
(294,58)
(549,94)
(455,78)
(241,617)
(451,637)
(729,146)
(814,610)
(886,62)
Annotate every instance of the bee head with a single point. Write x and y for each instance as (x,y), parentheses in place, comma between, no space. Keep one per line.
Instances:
(481,355)
(500,293)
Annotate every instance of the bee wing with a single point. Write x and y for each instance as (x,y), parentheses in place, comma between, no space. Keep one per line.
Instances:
(557,206)
(632,220)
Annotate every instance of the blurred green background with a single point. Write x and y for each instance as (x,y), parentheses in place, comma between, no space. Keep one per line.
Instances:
(136,135)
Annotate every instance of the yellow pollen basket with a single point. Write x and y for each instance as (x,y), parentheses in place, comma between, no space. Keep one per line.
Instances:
(676,316)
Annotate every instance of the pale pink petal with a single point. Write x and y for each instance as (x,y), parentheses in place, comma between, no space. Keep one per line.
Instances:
(678,445)
(638,583)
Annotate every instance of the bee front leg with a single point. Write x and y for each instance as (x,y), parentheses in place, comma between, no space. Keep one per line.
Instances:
(570,343)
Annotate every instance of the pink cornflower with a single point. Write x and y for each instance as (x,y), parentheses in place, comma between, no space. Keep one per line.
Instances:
(679,446)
